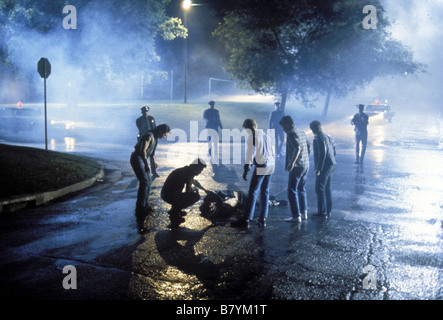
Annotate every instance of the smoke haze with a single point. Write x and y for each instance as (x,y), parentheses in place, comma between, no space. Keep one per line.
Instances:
(419,26)
(103,60)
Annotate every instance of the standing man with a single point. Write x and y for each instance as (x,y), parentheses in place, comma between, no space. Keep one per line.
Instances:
(324,162)
(260,152)
(144,124)
(173,193)
(360,121)
(274,123)
(297,164)
(212,118)
(145,148)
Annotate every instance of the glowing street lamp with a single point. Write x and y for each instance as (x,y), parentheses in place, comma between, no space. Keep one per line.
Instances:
(187,4)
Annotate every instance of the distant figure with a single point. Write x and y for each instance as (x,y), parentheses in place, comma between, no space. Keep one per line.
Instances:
(144,124)
(297,164)
(212,118)
(274,123)
(324,162)
(144,149)
(172,191)
(360,121)
(260,153)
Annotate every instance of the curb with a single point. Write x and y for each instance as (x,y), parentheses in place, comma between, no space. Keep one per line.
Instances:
(35,200)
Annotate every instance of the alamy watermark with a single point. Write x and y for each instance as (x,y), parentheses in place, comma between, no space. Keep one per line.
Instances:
(70,21)
(70,281)
(370,281)
(230,151)
(370,21)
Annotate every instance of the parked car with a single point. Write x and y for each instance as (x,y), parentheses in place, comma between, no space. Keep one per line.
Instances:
(19,120)
(377,109)
(22,121)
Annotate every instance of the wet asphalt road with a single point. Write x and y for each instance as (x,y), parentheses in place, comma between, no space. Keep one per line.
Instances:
(383,240)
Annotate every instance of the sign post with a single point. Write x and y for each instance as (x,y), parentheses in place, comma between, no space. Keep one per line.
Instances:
(44,69)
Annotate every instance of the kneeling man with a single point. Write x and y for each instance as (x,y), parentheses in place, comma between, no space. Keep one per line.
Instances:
(172,191)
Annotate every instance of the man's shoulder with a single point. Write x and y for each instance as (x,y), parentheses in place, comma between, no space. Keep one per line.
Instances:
(322,136)
(183,169)
(328,138)
(177,171)
(277,113)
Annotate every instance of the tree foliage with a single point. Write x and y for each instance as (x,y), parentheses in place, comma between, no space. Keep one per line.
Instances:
(307,48)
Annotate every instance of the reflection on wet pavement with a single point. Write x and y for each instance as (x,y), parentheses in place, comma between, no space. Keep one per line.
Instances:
(386,214)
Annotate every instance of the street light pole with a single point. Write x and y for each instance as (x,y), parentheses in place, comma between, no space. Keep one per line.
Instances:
(186,5)
(185,64)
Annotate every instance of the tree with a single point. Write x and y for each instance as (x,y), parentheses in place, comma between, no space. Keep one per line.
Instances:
(307,48)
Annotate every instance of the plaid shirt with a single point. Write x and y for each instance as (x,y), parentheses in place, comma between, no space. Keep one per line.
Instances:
(295,139)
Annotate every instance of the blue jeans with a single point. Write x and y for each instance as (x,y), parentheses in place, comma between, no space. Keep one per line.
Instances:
(279,139)
(258,184)
(298,201)
(323,190)
(144,187)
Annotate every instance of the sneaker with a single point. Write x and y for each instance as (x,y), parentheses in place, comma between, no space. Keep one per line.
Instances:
(319,215)
(261,223)
(304,216)
(240,224)
(292,219)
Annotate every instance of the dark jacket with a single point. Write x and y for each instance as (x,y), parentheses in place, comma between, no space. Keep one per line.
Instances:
(360,121)
(177,180)
(212,117)
(274,120)
(145,124)
(324,151)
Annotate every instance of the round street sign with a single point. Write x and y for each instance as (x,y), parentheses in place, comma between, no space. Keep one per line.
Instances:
(44,68)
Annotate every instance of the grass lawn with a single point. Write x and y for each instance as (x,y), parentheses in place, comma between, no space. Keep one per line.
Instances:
(26,170)
(232,114)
